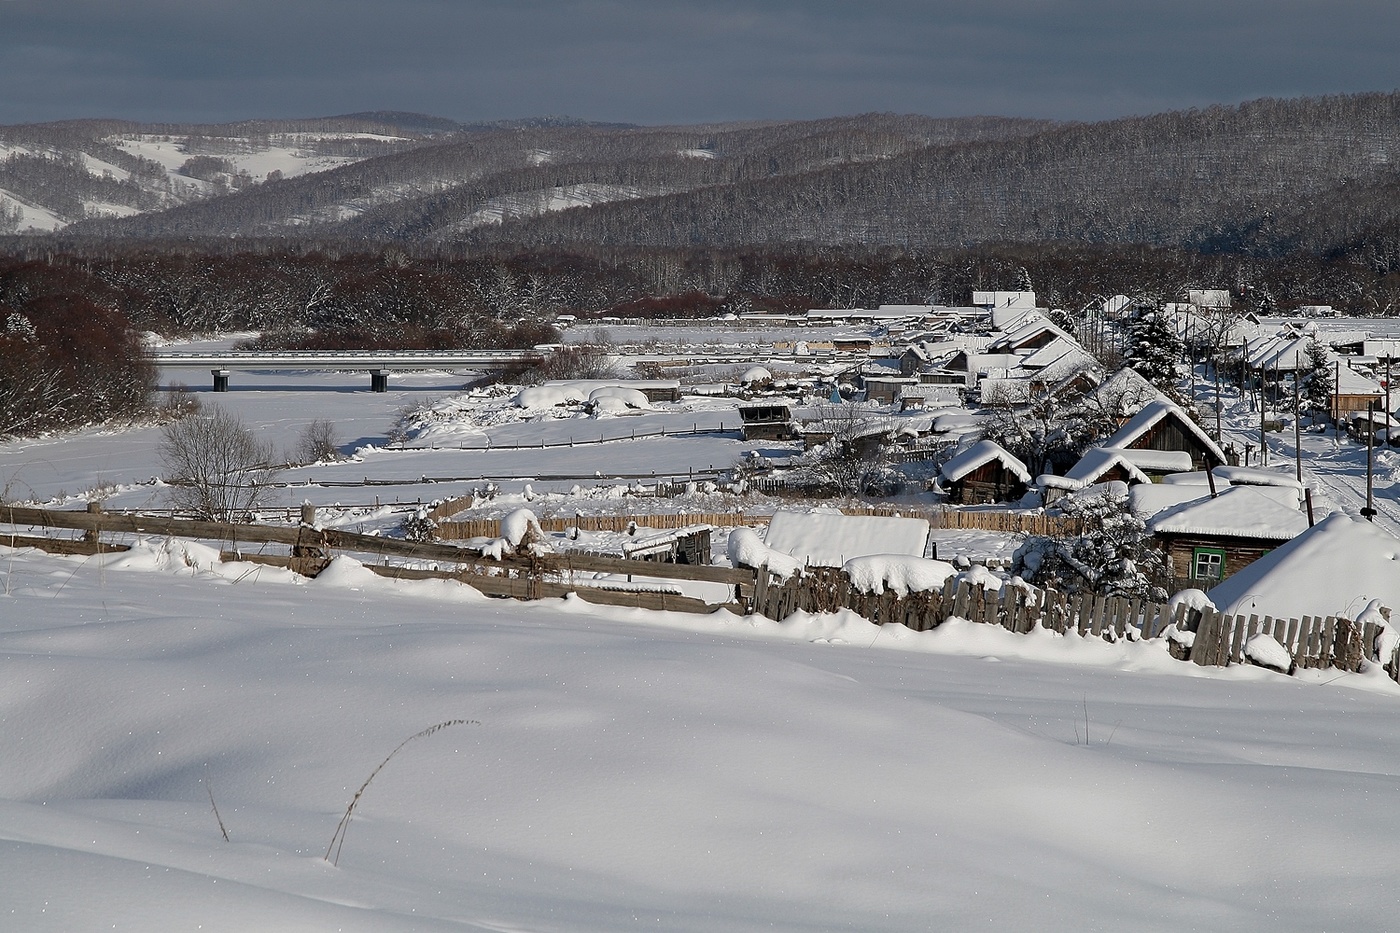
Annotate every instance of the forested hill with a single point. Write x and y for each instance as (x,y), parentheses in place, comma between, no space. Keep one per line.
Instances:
(1270,177)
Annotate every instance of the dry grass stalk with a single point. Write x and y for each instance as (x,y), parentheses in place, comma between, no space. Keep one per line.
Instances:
(338,840)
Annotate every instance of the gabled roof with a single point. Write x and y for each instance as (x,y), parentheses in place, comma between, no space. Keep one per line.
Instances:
(1347,381)
(1237,512)
(1125,393)
(1153,414)
(979,455)
(1029,330)
(1334,568)
(1099,460)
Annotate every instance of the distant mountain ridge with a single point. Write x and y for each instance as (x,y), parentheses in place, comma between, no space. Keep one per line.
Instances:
(1313,175)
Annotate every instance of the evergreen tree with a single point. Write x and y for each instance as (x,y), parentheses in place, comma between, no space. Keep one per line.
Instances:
(1316,390)
(1155,349)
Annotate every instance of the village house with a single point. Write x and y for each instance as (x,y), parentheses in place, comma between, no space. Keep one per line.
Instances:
(1207,537)
(1162,425)
(984,473)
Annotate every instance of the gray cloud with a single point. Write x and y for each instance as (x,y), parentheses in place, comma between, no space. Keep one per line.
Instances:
(659,61)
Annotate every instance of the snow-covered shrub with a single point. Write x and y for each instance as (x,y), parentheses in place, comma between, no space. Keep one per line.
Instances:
(1114,556)
(419,526)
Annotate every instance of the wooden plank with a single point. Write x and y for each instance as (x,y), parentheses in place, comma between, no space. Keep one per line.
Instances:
(1300,646)
(1201,647)
(1327,643)
(80,547)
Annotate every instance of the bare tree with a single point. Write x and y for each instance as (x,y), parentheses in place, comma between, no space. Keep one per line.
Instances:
(317,443)
(217,467)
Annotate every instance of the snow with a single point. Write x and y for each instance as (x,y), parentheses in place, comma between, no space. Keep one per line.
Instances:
(746,549)
(755,374)
(549,396)
(980,454)
(1333,569)
(1265,650)
(629,397)
(517,524)
(1237,511)
(830,539)
(899,573)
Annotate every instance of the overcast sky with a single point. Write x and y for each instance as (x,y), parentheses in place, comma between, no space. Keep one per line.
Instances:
(679,61)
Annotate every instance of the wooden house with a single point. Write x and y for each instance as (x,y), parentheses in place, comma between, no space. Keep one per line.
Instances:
(1161,425)
(985,473)
(1207,538)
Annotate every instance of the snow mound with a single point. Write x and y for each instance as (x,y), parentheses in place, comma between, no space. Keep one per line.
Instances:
(517,524)
(549,396)
(609,406)
(755,374)
(897,572)
(631,398)
(1193,599)
(746,549)
(1265,651)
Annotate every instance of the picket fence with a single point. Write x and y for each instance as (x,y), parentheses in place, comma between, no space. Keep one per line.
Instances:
(1203,637)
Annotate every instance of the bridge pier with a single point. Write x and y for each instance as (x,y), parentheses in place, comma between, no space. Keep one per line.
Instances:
(220,380)
(379,380)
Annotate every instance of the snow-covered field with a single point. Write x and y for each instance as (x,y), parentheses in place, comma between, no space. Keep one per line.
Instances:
(632,770)
(625,769)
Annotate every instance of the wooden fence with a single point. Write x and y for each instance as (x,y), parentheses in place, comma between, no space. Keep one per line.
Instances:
(938,518)
(1217,639)
(1203,637)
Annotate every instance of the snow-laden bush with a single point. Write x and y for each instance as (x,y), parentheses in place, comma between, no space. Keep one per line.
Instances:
(1114,556)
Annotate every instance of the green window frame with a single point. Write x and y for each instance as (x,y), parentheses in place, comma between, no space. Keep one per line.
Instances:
(1208,563)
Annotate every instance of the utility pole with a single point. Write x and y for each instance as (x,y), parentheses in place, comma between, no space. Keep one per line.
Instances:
(1370,511)
(1297,432)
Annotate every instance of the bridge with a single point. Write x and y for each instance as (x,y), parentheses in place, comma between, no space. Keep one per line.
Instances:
(378,363)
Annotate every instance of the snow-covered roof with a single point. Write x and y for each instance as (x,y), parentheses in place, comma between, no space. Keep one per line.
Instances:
(1238,511)
(1158,461)
(829,539)
(1347,381)
(1151,499)
(1334,568)
(979,455)
(1150,415)
(1125,393)
(1099,460)
(1029,329)
(1255,476)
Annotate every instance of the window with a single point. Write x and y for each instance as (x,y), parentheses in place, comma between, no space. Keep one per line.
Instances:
(1207,563)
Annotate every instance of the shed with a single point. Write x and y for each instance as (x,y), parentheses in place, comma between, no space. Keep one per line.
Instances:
(769,421)
(983,473)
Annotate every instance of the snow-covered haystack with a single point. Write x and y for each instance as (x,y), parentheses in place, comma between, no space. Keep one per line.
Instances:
(549,396)
(897,572)
(630,398)
(746,549)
